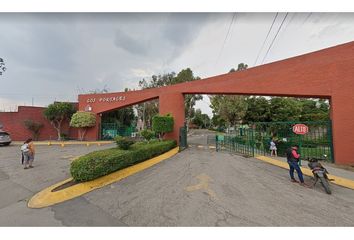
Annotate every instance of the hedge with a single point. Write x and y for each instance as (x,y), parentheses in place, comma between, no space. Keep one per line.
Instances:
(100,163)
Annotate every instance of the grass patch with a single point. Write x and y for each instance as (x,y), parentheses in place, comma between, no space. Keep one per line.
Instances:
(103,162)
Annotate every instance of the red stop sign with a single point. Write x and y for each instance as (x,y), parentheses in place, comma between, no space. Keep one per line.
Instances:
(300,129)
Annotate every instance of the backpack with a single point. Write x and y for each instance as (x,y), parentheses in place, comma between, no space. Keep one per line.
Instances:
(24,148)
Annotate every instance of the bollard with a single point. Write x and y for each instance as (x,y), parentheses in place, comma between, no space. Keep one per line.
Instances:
(98,144)
(62,144)
(87,144)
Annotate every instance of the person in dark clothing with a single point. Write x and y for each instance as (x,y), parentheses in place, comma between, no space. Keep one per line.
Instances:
(293,158)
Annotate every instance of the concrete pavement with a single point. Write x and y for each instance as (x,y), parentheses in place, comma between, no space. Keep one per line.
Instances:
(197,187)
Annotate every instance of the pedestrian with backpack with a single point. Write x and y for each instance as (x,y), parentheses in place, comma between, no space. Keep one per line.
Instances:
(27,157)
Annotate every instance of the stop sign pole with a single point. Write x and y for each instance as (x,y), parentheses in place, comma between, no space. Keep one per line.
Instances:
(300,129)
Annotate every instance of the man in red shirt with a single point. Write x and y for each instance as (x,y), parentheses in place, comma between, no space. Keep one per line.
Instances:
(293,158)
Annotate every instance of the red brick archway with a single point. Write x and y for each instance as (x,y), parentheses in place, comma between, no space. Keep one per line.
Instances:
(327,73)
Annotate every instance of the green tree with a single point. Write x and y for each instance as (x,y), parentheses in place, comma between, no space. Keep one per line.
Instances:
(162,124)
(314,110)
(83,121)
(200,119)
(258,110)
(231,109)
(149,109)
(34,127)
(284,109)
(57,113)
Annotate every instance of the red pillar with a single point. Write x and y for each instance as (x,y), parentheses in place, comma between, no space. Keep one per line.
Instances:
(92,134)
(173,103)
(342,114)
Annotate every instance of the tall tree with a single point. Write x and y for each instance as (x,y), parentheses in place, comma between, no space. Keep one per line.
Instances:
(284,109)
(148,109)
(200,119)
(57,113)
(2,66)
(258,110)
(230,108)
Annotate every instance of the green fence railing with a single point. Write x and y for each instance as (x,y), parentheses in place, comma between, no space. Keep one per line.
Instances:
(111,130)
(255,139)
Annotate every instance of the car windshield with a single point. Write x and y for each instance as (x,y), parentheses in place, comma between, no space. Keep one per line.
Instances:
(4,134)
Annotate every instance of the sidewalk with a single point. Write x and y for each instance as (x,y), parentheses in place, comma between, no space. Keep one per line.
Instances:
(341,177)
(333,170)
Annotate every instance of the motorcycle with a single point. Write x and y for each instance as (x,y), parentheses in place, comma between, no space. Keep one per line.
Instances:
(320,173)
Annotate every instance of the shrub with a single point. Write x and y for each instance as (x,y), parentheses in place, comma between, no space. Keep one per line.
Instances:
(34,127)
(100,163)
(162,124)
(123,142)
(147,134)
(83,121)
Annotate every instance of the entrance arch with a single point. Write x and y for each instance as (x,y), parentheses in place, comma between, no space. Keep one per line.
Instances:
(328,74)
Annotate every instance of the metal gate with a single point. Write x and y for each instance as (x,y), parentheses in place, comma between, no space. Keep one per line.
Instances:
(110,130)
(254,139)
(183,138)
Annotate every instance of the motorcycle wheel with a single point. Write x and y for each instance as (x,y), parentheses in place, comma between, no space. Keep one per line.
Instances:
(325,185)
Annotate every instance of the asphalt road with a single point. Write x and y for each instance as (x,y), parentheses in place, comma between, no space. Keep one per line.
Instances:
(197,187)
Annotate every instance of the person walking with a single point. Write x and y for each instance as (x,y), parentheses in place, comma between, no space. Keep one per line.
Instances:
(273,148)
(293,158)
(32,152)
(25,150)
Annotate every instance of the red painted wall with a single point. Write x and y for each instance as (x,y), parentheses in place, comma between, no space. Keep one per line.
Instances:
(13,123)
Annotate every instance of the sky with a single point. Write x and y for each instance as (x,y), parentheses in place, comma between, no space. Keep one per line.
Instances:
(56,56)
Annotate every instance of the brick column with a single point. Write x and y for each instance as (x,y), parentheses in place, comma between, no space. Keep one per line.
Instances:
(173,103)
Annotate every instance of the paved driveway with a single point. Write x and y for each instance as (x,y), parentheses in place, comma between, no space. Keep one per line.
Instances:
(197,187)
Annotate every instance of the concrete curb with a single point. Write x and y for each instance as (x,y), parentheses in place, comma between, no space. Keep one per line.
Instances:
(344,182)
(46,197)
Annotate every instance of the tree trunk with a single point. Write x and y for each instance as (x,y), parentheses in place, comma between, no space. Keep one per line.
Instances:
(82,132)
(57,127)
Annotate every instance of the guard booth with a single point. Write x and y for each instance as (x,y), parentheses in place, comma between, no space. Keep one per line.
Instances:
(255,139)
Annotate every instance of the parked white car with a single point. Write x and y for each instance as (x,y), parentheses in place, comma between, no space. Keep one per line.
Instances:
(5,138)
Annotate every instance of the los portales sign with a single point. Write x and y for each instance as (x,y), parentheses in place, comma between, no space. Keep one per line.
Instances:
(300,129)
(106,99)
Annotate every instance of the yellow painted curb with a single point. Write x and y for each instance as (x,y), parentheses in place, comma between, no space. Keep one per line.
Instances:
(63,143)
(344,182)
(46,197)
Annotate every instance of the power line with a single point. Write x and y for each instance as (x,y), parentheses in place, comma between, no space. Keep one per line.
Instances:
(227,35)
(270,46)
(270,29)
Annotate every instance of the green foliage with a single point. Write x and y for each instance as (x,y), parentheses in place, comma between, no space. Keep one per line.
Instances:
(122,117)
(100,163)
(284,109)
(162,124)
(57,112)
(124,143)
(147,134)
(34,127)
(149,109)
(230,108)
(200,119)
(258,110)
(83,120)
